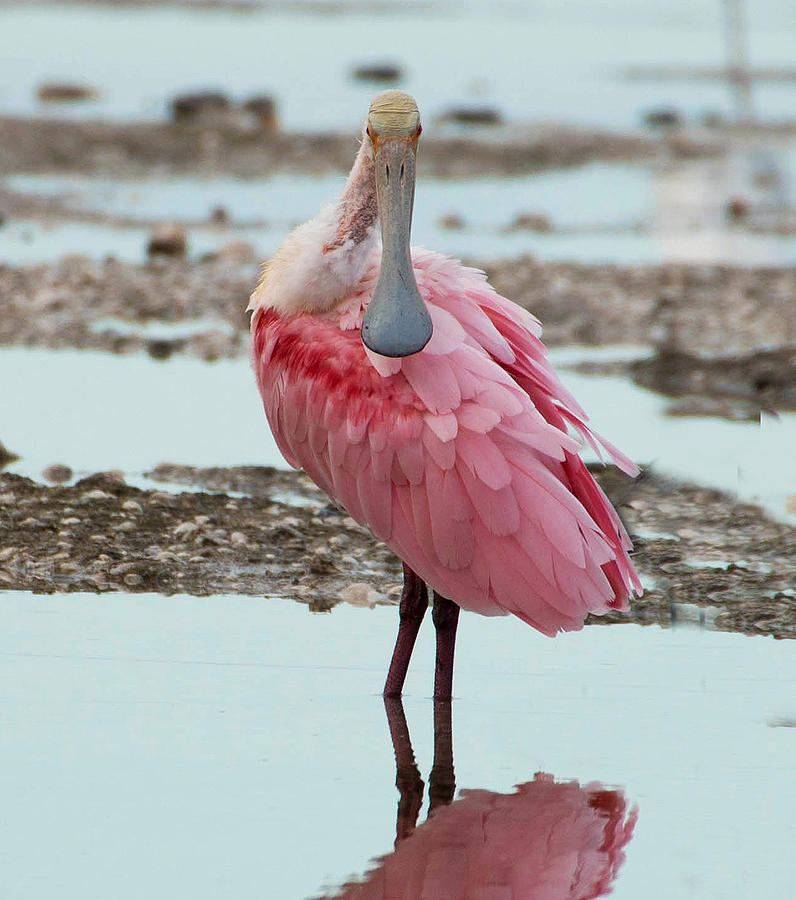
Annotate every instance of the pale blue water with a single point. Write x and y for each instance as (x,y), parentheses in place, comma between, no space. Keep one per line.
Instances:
(600,213)
(237,747)
(95,412)
(533,60)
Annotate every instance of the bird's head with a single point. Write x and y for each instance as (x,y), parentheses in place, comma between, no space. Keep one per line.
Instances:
(396,322)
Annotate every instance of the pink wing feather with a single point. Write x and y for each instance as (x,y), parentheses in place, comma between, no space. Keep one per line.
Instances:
(458,457)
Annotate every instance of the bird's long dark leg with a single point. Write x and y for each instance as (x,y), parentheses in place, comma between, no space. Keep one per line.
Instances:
(414,603)
(446,618)
(407,775)
(442,783)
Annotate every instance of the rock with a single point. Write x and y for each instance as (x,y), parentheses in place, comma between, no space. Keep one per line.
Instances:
(167,239)
(161,498)
(663,117)
(219,216)
(537,222)
(262,108)
(64,92)
(381,72)
(361,594)
(162,348)
(92,496)
(737,209)
(451,222)
(132,506)
(199,105)
(472,115)
(185,531)
(6,456)
(57,473)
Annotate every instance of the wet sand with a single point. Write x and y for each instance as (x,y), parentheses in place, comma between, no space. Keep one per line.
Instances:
(259,531)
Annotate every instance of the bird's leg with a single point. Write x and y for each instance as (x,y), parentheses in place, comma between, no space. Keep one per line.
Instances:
(407,775)
(414,603)
(446,618)
(442,783)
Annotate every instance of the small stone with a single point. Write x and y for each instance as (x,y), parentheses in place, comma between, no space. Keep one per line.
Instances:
(262,108)
(6,456)
(199,105)
(98,538)
(132,506)
(30,522)
(6,553)
(167,239)
(201,520)
(379,72)
(451,222)
(132,579)
(219,215)
(472,115)
(238,537)
(737,209)
(96,495)
(663,117)
(70,520)
(185,531)
(57,473)
(161,497)
(125,526)
(162,348)
(537,222)
(361,594)
(64,92)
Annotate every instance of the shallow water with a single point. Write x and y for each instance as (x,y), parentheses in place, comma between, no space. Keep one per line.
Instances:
(232,746)
(96,412)
(533,60)
(603,212)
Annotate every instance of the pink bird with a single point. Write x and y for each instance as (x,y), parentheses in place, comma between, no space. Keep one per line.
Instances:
(546,841)
(424,403)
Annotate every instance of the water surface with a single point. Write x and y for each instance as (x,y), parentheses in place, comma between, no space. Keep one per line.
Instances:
(96,412)
(233,746)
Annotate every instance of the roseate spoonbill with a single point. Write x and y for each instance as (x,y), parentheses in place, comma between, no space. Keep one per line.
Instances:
(547,840)
(424,403)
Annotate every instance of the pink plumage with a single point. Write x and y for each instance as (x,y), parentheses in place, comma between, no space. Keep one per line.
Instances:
(460,457)
(546,841)
(425,404)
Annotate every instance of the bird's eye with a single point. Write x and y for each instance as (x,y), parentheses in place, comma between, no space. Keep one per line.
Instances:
(369,132)
(419,129)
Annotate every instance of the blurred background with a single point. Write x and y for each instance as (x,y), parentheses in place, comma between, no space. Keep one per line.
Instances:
(678,117)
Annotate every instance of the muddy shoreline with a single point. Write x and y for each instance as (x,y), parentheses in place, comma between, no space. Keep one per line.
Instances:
(723,338)
(707,311)
(260,531)
(132,150)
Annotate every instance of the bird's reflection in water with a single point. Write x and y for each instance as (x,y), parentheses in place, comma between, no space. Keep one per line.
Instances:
(546,841)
